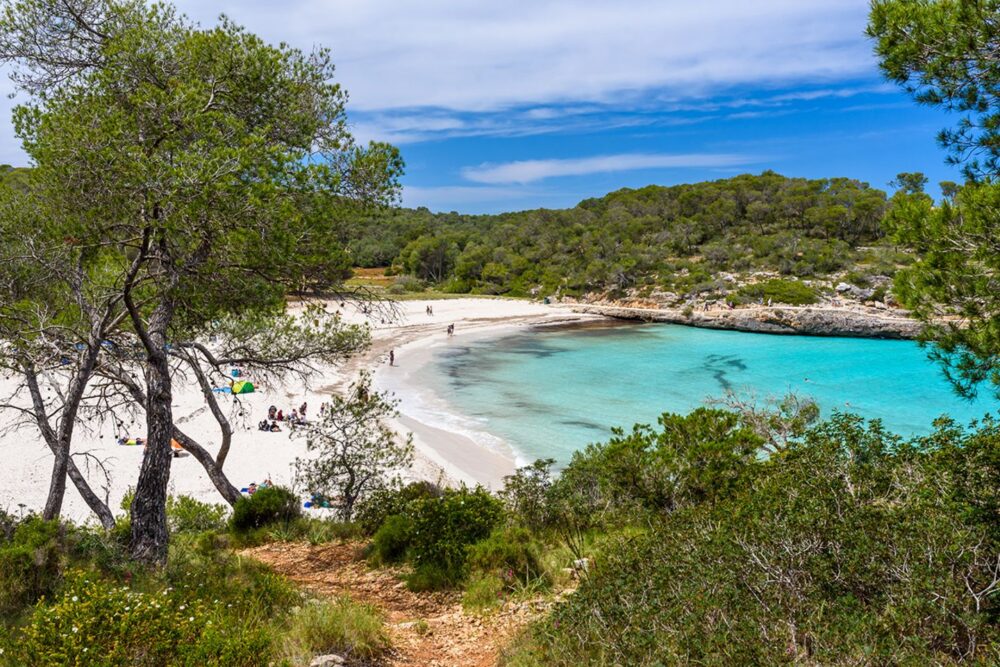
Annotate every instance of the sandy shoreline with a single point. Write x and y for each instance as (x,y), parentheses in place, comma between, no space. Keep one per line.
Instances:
(441,454)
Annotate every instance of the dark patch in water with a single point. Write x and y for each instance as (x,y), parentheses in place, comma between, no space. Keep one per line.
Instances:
(720,365)
(589,425)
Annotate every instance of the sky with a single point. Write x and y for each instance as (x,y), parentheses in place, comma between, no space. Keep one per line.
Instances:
(500,106)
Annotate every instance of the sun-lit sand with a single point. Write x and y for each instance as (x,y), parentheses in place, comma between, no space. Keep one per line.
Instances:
(440,453)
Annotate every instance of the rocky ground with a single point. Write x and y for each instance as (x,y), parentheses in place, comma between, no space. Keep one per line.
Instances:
(427,629)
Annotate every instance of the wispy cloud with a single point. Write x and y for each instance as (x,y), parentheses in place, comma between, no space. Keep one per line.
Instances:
(530,171)
(492,55)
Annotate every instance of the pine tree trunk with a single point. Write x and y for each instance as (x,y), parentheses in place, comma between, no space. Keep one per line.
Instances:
(149,506)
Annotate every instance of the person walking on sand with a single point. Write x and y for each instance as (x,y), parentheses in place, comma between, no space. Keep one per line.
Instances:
(392,358)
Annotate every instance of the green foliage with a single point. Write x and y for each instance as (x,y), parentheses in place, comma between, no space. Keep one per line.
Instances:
(792,292)
(271,505)
(511,554)
(525,495)
(849,547)
(30,563)
(678,239)
(188,515)
(94,623)
(342,626)
(430,577)
(482,592)
(353,452)
(942,52)
(392,540)
(697,458)
(444,528)
(953,274)
(388,501)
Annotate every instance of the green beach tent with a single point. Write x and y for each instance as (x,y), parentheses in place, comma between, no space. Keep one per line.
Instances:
(243,387)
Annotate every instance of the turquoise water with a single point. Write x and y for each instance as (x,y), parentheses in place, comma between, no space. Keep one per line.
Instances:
(548,392)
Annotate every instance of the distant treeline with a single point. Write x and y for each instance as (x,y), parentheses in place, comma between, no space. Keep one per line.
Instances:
(676,238)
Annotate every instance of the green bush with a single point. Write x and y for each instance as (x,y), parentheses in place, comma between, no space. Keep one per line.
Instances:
(187,515)
(392,540)
(444,528)
(509,553)
(384,503)
(274,504)
(482,592)
(862,548)
(98,623)
(341,626)
(30,563)
(791,292)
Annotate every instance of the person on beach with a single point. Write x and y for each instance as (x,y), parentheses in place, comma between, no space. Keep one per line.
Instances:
(302,410)
(451,329)
(392,358)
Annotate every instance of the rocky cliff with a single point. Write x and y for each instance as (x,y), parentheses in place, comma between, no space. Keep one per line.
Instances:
(858,322)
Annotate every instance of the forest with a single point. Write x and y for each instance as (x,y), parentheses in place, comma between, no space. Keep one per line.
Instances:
(676,240)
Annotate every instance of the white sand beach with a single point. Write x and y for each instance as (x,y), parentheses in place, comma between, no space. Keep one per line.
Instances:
(442,453)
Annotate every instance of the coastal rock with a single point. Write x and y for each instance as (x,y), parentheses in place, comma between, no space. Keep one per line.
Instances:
(802,320)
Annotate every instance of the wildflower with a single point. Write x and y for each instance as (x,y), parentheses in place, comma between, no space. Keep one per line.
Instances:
(75,598)
(75,629)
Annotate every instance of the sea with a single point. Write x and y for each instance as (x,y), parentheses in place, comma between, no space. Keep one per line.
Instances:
(546,392)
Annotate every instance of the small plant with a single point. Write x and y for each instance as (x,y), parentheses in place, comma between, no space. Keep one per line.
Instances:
(511,555)
(482,592)
(274,504)
(341,626)
(187,515)
(791,292)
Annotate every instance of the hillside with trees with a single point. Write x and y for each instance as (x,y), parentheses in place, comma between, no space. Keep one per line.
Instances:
(675,244)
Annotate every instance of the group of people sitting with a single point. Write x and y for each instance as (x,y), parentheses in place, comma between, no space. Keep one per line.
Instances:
(254,487)
(274,415)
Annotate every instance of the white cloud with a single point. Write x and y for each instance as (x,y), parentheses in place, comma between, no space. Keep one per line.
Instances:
(491,55)
(556,60)
(530,171)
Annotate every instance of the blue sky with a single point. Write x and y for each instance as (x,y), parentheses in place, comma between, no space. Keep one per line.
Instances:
(505,106)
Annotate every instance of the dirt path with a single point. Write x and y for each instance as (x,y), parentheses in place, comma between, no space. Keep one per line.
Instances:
(452,638)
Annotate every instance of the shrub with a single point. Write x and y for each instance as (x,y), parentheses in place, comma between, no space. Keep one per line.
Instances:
(383,503)
(482,592)
(444,528)
(274,504)
(341,626)
(30,564)
(525,494)
(93,622)
(509,553)
(791,292)
(187,515)
(392,540)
